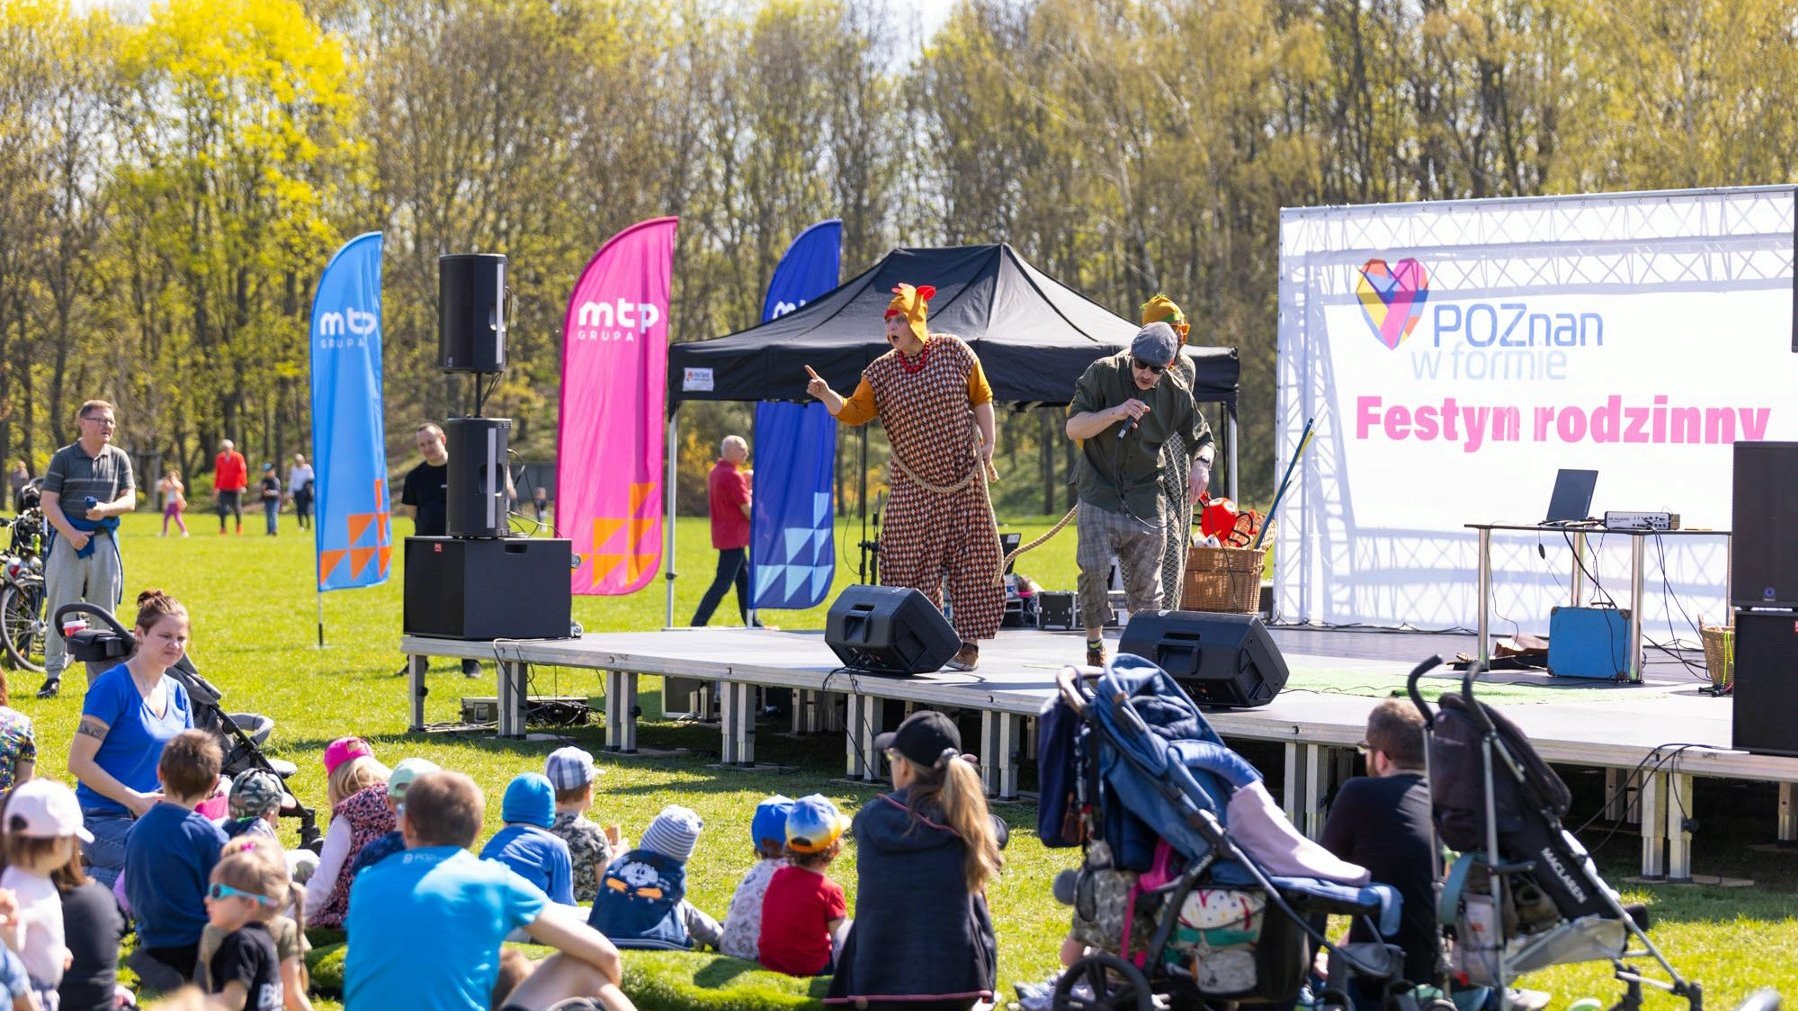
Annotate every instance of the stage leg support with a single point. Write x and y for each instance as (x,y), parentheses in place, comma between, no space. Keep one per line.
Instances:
(864,724)
(1305,785)
(1679,836)
(1788,814)
(416,666)
(738,712)
(1654,825)
(1000,740)
(621,711)
(511,698)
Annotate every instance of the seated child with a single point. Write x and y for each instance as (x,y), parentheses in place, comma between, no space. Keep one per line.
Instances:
(768,835)
(256,797)
(590,848)
(393,842)
(248,889)
(170,853)
(43,820)
(526,845)
(290,942)
(804,913)
(356,786)
(643,898)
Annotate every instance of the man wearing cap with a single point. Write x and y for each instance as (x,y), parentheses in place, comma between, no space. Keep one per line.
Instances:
(932,396)
(87,487)
(590,849)
(1185,470)
(1123,411)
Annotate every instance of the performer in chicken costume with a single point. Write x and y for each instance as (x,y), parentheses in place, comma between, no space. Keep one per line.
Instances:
(933,398)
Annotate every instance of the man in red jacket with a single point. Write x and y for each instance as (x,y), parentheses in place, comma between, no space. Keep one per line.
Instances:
(230,476)
(727,489)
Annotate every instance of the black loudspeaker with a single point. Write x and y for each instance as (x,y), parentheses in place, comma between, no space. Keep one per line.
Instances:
(1766,684)
(471,312)
(517,588)
(1220,659)
(889,630)
(1763,554)
(477,476)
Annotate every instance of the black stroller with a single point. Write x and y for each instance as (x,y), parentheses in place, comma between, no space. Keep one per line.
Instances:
(240,735)
(1523,894)
(1193,886)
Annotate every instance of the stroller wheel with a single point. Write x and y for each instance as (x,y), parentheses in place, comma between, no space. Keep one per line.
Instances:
(1102,982)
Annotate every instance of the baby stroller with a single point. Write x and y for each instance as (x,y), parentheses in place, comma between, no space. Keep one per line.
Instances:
(240,735)
(1193,886)
(1523,895)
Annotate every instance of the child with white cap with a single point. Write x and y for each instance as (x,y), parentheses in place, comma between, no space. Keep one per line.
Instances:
(590,848)
(393,842)
(768,834)
(43,820)
(805,914)
(643,898)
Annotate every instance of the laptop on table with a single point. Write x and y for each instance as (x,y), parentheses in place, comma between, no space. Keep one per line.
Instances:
(1572,498)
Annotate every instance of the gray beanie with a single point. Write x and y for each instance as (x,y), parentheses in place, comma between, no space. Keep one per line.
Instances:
(1155,344)
(673,833)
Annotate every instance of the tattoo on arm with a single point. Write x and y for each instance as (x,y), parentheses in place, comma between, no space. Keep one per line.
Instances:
(93,728)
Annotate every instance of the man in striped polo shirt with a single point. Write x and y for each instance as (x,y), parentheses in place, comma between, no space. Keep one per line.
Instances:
(86,489)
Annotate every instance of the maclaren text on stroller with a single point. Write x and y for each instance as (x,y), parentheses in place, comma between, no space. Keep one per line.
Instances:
(1523,895)
(1193,884)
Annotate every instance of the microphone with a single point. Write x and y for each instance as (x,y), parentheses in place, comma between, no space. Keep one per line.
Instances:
(1129,424)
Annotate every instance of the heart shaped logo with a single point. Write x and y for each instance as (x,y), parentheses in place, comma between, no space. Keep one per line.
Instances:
(1392,298)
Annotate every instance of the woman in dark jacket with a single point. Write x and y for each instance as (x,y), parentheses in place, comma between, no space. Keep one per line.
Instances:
(922,939)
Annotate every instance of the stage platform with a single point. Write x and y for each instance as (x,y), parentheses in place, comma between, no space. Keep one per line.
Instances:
(1652,739)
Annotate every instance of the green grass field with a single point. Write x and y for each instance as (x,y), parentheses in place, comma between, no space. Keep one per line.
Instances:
(254,634)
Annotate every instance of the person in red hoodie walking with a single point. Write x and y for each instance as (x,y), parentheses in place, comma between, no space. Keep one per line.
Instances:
(230,476)
(727,490)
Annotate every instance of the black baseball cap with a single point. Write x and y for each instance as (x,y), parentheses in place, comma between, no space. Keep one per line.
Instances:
(922,738)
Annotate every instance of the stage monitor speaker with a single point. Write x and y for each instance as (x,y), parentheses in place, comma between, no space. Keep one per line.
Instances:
(471,312)
(1766,684)
(1220,659)
(889,630)
(478,502)
(1763,554)
(516,588)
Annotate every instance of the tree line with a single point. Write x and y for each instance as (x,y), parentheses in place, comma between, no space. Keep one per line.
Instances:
(173,183)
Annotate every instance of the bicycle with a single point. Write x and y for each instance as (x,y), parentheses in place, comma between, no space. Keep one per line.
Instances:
(22,601)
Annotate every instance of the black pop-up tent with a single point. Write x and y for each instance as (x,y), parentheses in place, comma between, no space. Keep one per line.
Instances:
(1033,334)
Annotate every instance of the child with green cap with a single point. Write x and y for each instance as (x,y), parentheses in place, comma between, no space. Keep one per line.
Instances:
(393,842)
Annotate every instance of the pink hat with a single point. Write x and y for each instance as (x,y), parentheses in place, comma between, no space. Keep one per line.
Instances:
(342,750)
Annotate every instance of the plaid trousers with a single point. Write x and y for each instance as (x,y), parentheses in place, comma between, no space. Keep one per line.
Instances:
(1137,546)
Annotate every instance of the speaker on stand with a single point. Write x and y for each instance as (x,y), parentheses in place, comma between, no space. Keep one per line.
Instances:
(471,313)
(1763,559)
(479,487)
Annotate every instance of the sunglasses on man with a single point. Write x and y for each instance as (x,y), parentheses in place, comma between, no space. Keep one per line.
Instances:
(1153,370)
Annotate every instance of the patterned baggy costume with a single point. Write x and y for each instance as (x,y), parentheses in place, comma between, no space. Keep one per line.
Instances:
(927,534)
(1176,472)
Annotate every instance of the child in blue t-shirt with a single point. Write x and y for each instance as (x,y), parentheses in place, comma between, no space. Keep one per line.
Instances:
(526,845)
(768,834)
(170,853)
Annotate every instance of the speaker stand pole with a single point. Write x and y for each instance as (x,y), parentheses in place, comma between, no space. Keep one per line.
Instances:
(670,450)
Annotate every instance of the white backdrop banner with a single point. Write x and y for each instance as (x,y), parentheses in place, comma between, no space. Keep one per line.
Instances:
(1457,354)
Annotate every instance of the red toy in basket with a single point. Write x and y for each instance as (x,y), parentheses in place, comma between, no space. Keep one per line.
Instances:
(1233,527)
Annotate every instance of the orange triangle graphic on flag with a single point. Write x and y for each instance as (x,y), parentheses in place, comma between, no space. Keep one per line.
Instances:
(359,559)
(639,527)
(385,554)
(327,560)
(384,529)
(359,525)
(639,495)
(604,530)
(603,566)
(380,494)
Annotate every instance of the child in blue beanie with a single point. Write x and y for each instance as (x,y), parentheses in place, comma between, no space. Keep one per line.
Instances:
(768,835)
(526,844)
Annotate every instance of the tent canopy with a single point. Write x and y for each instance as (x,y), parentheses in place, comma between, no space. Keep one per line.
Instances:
(1034,335)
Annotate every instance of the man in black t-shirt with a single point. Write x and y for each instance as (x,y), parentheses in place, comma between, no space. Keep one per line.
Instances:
(426,491)
(426,495)
(1382,822)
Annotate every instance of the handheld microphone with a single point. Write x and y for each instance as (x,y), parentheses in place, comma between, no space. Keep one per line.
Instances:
(1129,424)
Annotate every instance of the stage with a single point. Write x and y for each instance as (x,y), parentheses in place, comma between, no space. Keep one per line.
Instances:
(1658,736)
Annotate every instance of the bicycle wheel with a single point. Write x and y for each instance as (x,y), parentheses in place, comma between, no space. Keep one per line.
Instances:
(22,626)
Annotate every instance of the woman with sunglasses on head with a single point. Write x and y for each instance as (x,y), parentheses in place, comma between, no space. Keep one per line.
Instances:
(1125,408)
(931,395)
(922,939)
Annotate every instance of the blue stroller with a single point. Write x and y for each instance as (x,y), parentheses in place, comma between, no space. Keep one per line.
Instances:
(1193,886)
(1523,894)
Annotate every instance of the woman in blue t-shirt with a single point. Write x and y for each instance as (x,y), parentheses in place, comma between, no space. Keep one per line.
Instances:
(129,714)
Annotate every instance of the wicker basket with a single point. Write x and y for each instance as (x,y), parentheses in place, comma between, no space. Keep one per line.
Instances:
(1223,579)
(1720,654)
